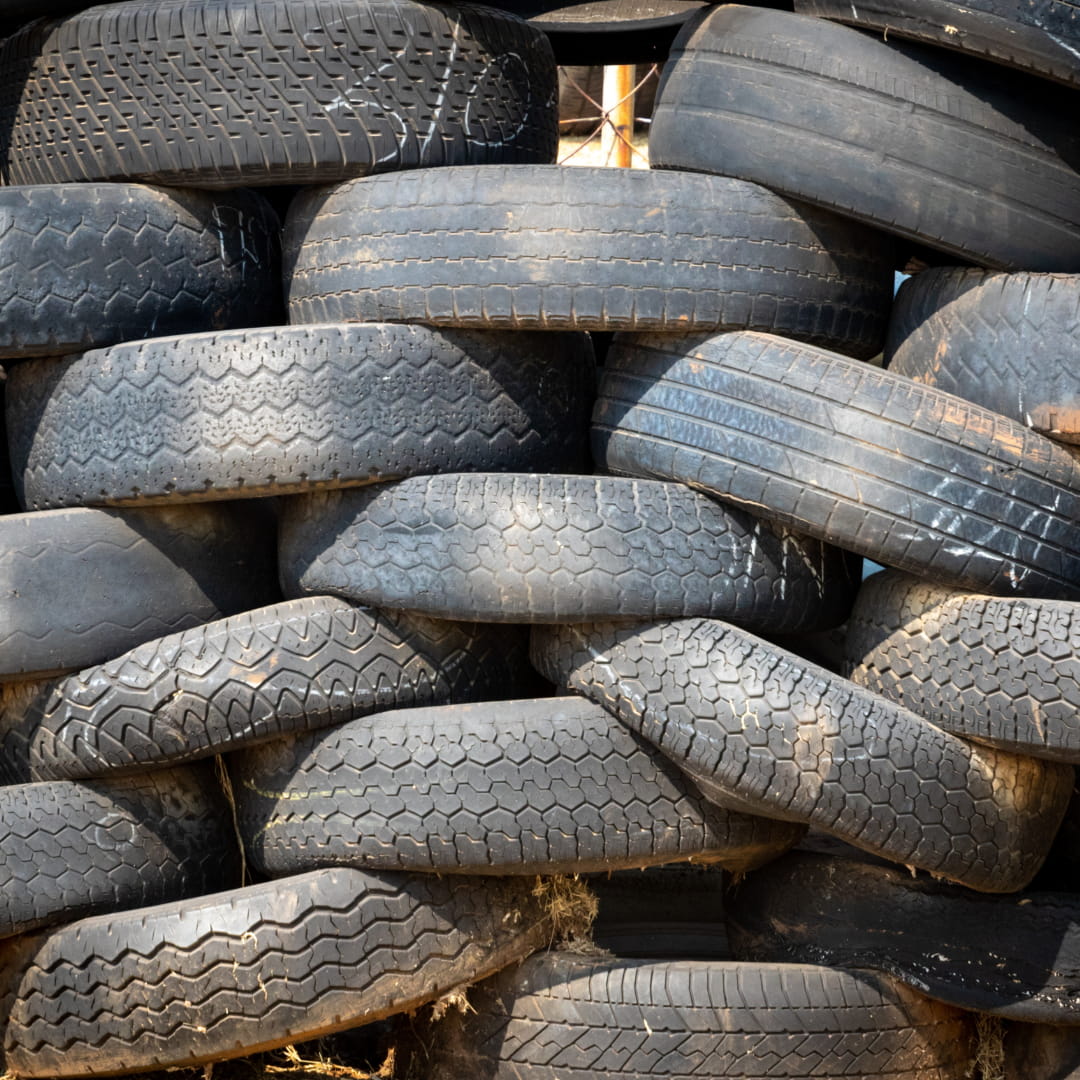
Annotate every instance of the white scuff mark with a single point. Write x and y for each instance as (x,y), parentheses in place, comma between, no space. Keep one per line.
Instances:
(1064,45)
(448,72)
(854,13)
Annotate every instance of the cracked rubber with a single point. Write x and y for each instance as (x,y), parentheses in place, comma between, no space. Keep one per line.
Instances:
(760,730)
(78,587)
(88,265)
(1005,341)
(639,250)
(542,786)
(238,972)
(559,1016)
(900,473)
(1012,956)
(529,548)
(286,409)
(1002,672)
(943,149)
(293,667)
(235,93)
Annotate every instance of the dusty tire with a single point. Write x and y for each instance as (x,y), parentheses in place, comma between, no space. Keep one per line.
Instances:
(915,140)
(240,93)
(560,1016)
(642,250)
(82,586)
(759,730)
(1005,341)
(293,667)
(543,786)
(287,409)
(866,459)
(197,981)
(531,548)
(1012,956)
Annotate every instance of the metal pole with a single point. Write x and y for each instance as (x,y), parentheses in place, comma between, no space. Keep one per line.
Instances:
(618,104)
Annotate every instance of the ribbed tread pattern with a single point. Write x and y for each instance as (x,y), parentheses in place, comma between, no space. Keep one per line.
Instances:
(530,548)
(760,730)
(287,409)
(585,249)
(901,473)
(542,786)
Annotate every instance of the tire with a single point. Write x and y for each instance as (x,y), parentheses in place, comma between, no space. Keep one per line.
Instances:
(276,671)
(1041,37)
(560,1016)
(543,786)
(1001,672)
(88,265)
(866,459)
(260,967)
(529,548)
(1011,956)
(759,730)
(642,250)
(242,93)
(83,586)
(914,140)
(1005,341)
(288,409)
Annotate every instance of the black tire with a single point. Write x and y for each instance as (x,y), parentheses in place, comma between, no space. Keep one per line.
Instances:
(530,548)
(560,1016)
(901,473)
(1040,36)
(89,265)
(642,250)
(288,409)
(544,786)
(1005,341)
(82,586)
(1002,672)
(201,980)
(1013,956)
(912,139)
(293,667)
(759,730)
(251,92)
(76,849)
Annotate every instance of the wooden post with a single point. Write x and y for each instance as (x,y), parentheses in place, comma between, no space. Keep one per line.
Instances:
(618,102)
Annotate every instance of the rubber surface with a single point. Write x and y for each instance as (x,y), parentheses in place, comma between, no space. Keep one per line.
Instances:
(760,730)
(1005,341)
(530,548)
(901,473)
(560,1015)
(937,147)
(540,786)
(639,250)
(264,966)
(78,587)
(250,92)
(293,667)
(299,408)
(1014,956)
(89,265)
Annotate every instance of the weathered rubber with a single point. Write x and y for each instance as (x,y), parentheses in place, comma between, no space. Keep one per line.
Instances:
(760,730)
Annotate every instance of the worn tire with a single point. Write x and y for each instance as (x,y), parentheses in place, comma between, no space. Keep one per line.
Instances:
(531,548)
(276,671)
(1012,956)
(82,586)
(1005,341)
(642,250)
(866,459)
(759,730)
(299,408)
(936,147)
(251,92)
(197,981)
(560,1015)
